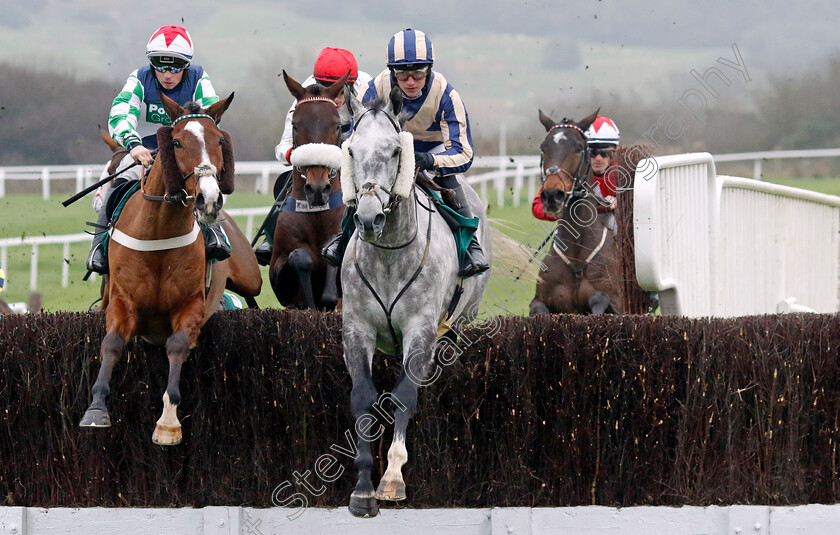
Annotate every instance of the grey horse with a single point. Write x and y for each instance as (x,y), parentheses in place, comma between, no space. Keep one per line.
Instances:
(399,276)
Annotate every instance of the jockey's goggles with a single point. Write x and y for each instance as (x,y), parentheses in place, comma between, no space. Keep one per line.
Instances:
(168,63)
(600,151)
(416,75)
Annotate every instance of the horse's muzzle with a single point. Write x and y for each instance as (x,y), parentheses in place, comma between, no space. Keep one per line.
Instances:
(369,219)
(553,200)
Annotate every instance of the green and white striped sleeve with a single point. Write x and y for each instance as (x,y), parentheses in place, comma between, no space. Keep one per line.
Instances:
(125,111)
(205,95)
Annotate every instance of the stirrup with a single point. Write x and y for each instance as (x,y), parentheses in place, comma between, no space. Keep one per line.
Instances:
(97,262)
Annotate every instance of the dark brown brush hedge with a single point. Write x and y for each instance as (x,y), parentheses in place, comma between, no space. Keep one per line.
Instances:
(548,411)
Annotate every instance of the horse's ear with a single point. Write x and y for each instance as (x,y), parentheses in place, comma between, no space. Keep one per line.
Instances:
(103,134)
(396,98)
(294,87)
(587,121)
(333,91)
(218,109)
(172,108)
(226,183)
(546,121)
(166,155)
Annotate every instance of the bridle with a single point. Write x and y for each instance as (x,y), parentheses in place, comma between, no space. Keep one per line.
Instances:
(578,178)
(332,172)
(371,187)
(182,196)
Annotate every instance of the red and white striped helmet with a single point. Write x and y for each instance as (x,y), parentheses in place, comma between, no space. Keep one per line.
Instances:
(603,131)
(170,41)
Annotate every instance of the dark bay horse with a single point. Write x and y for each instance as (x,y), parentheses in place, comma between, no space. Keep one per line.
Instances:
(583,273)
(399,277)
(313,210)
(160,286)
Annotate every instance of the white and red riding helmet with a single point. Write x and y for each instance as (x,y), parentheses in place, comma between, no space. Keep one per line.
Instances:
(170,41)
(603,132)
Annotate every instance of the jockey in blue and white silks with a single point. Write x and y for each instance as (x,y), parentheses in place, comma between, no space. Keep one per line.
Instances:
(439,123)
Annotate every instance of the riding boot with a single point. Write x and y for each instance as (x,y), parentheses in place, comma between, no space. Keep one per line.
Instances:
(333,251)
(281,189)
(216,245)
(474,260)
(96,260)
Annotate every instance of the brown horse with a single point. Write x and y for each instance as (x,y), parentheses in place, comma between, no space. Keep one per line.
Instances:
(160,286)
(314,208)
(243,275)
(582,272)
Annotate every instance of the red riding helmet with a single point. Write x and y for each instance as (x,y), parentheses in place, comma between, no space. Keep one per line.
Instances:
(170,41)
(333,63)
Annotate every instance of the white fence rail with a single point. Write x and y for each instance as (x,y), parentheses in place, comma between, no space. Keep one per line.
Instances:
(35,243)
(726,246)
(813,519)
(507,172)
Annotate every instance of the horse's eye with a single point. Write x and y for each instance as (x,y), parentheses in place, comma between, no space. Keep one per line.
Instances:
(221,142)
(397,151)
(350,151)
(176,143)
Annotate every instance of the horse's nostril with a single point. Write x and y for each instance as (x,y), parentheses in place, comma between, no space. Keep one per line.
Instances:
(308,189)
(327,189)
(379,220)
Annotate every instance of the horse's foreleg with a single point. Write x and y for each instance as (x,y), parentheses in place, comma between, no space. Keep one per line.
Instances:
(121,325)
(599,302)
(418,360)
(185,332)
(301,262)
(329,298)
(358,353)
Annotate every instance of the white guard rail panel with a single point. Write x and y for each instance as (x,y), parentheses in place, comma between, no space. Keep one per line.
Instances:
(726,246)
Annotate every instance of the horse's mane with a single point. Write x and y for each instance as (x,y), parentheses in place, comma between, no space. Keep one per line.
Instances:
(192,107)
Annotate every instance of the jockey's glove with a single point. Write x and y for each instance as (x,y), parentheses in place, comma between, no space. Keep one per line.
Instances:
(424,160)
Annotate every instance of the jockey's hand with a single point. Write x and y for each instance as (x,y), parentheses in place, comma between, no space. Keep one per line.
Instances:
(611,202)
(424,160)
(141,155)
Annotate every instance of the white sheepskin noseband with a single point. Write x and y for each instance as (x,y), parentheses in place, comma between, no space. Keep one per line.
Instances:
(405,174)
(316,154)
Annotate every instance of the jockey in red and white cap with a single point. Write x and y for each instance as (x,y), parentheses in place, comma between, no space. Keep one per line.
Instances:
(137,111)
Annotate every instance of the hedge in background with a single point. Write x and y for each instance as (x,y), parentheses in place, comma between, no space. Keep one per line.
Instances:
(549,411)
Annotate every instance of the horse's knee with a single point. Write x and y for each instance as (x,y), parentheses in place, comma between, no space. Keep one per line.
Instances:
(178,344)
(537,307)
(300,260)
(599,302)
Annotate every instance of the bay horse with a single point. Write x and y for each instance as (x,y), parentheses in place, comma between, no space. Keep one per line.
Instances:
(582,271)
(159,286)
(243,274)
(398,284)
(313,209)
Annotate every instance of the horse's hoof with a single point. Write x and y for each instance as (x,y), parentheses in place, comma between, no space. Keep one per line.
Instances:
(95,418)
(167,435)
(392,491)
(363,507)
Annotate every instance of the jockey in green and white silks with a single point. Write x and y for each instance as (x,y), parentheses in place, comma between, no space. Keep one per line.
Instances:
(137,112)
(438,120)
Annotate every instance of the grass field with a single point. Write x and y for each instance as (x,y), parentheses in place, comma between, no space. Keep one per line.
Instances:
(30,215)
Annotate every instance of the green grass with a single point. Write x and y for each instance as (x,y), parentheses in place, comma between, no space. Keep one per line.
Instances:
(29,215)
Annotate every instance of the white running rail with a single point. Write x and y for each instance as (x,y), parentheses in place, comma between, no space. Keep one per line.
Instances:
(727,246)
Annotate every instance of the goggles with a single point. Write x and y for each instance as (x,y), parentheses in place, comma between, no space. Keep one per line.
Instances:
(416,75)
(598,151)
(168,63)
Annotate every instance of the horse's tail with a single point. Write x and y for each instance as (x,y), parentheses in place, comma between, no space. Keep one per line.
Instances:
(513,258)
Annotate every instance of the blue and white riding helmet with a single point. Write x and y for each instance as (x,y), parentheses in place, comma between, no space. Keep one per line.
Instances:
(410,50)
